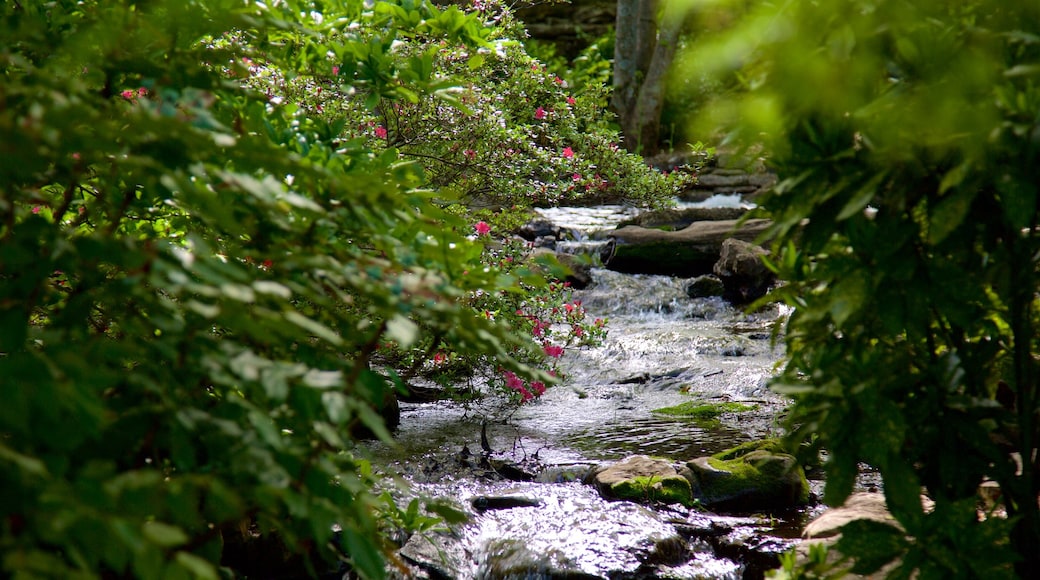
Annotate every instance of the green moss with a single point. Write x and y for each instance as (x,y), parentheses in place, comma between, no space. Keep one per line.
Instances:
(772,445)
(672,489)
(769,474)
(704,411)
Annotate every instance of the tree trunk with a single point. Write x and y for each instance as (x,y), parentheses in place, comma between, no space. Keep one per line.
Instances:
(643,54)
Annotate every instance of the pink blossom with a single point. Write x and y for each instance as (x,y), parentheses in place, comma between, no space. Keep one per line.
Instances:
(128,94)
(513,381)
(558,80)
(538,387)
(539,113)
(568,153)
(381,132)
(570,100)
(439,358)
(576,177)
(554,351)
(335,71)
(141,91)
(36,209)
(482,228)
(470,153)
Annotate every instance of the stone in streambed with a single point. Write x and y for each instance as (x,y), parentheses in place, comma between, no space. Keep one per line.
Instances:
(744,275)
(753,481)
(643,479)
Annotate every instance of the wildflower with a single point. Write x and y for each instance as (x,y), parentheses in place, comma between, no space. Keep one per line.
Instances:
(570,100)
(36,209)
(471,154)
(439,358)
(335,71)
(482,228)
(539,113)
(267,264)
(553,350)
(568,153)
(381,132)
(538,387)
(558,80)
(128,94)
(576,177)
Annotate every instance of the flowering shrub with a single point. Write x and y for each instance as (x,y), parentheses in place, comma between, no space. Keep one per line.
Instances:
(512,134)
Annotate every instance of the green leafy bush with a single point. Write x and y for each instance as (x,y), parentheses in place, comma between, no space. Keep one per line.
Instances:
(510,133)
(906,140)
(196,281)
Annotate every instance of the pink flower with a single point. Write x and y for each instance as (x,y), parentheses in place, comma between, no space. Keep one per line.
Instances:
(576,177)
(142,91)
(554,351)
(568,153)
(470,153)
(36,209)
(128,94)
(513,381)
(482,228)
(538,387)
(539,113)
(335,71)
(439,358)
(570,100)
(558,80)
(381,132)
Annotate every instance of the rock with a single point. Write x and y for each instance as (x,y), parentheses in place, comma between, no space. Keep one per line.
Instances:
(705,286)
(483,503)
(758,480)
(676,219)
(692,251)
(580,271)
(642,479)
(508,558)
(744,275)
(539,228)
(859,506)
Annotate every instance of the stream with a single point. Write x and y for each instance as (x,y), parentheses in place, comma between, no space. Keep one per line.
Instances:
(529,514)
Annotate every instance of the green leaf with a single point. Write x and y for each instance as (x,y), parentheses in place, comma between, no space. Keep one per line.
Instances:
(949,214)
(871,544)
(402,330)
(163,534)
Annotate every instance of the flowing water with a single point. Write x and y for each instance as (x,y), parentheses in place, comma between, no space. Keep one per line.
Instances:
(539,521)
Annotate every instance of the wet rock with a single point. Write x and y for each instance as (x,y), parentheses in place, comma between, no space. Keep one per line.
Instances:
(642,479)
(673,219)
(692,251)
(514,559)
(539,228)
(484,503)
(744,275)
(705,286)
(579,271)
(756,481)
(424,553)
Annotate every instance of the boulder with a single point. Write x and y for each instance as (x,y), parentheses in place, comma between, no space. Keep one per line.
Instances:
(744,275)
(689,252)
(759,480)
(642,479)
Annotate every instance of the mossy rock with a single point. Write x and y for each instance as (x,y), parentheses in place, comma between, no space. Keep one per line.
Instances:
(772,445)
(758,480)
(671,489)
(704,411)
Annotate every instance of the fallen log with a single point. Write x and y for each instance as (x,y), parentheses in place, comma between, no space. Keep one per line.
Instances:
(686,253)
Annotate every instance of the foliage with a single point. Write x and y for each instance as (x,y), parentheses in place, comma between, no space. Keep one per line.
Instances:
(819,564)
(198,280)
(509,133)
(906,140)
